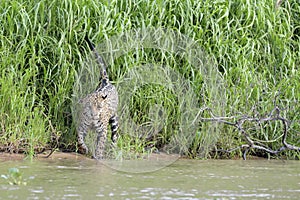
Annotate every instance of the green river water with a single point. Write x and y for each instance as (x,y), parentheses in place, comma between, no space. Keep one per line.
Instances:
(183,179)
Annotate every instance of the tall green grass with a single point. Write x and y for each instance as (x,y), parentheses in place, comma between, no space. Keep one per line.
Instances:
(256,48)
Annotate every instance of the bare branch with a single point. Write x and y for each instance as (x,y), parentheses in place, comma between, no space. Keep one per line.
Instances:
(238,123)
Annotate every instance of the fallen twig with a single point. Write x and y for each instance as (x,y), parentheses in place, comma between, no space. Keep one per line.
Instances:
(238,124)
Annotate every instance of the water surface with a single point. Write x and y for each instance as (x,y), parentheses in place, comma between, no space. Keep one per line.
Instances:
(184,179)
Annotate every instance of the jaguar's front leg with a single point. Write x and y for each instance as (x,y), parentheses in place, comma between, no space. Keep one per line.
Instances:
(101,132)
(82,131)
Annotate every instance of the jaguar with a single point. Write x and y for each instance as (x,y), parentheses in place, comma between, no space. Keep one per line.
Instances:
(98,111)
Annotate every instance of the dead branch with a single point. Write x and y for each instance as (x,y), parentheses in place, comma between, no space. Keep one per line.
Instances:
(275,115)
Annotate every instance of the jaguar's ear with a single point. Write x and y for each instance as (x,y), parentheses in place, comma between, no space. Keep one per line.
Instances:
(81,100)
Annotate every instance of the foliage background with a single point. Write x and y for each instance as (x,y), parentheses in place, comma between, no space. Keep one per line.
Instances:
(255,44)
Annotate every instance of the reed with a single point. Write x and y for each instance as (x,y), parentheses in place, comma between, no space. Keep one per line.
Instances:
(255,45)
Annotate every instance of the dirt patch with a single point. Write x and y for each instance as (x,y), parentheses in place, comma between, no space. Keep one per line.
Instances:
(76,156)
(55,155)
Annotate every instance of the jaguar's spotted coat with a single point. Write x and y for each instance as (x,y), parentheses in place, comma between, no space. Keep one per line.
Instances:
(99,109)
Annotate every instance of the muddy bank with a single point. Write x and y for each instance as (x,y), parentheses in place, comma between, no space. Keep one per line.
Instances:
(75,156)
(72,156)
(55,155)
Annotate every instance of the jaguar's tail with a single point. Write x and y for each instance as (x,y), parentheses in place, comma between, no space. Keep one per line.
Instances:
(99,59)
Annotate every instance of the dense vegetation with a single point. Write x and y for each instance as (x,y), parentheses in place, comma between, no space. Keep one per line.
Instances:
(255,45)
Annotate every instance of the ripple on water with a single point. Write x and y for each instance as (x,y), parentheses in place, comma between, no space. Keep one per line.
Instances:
(182,180)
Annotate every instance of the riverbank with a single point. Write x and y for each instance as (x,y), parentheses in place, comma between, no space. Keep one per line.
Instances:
(76,156)
(200,75)
(55,156)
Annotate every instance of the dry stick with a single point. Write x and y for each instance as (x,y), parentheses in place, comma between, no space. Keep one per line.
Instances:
(273,116)
(56,138)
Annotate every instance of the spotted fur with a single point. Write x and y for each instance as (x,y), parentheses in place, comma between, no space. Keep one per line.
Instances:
(98,111)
